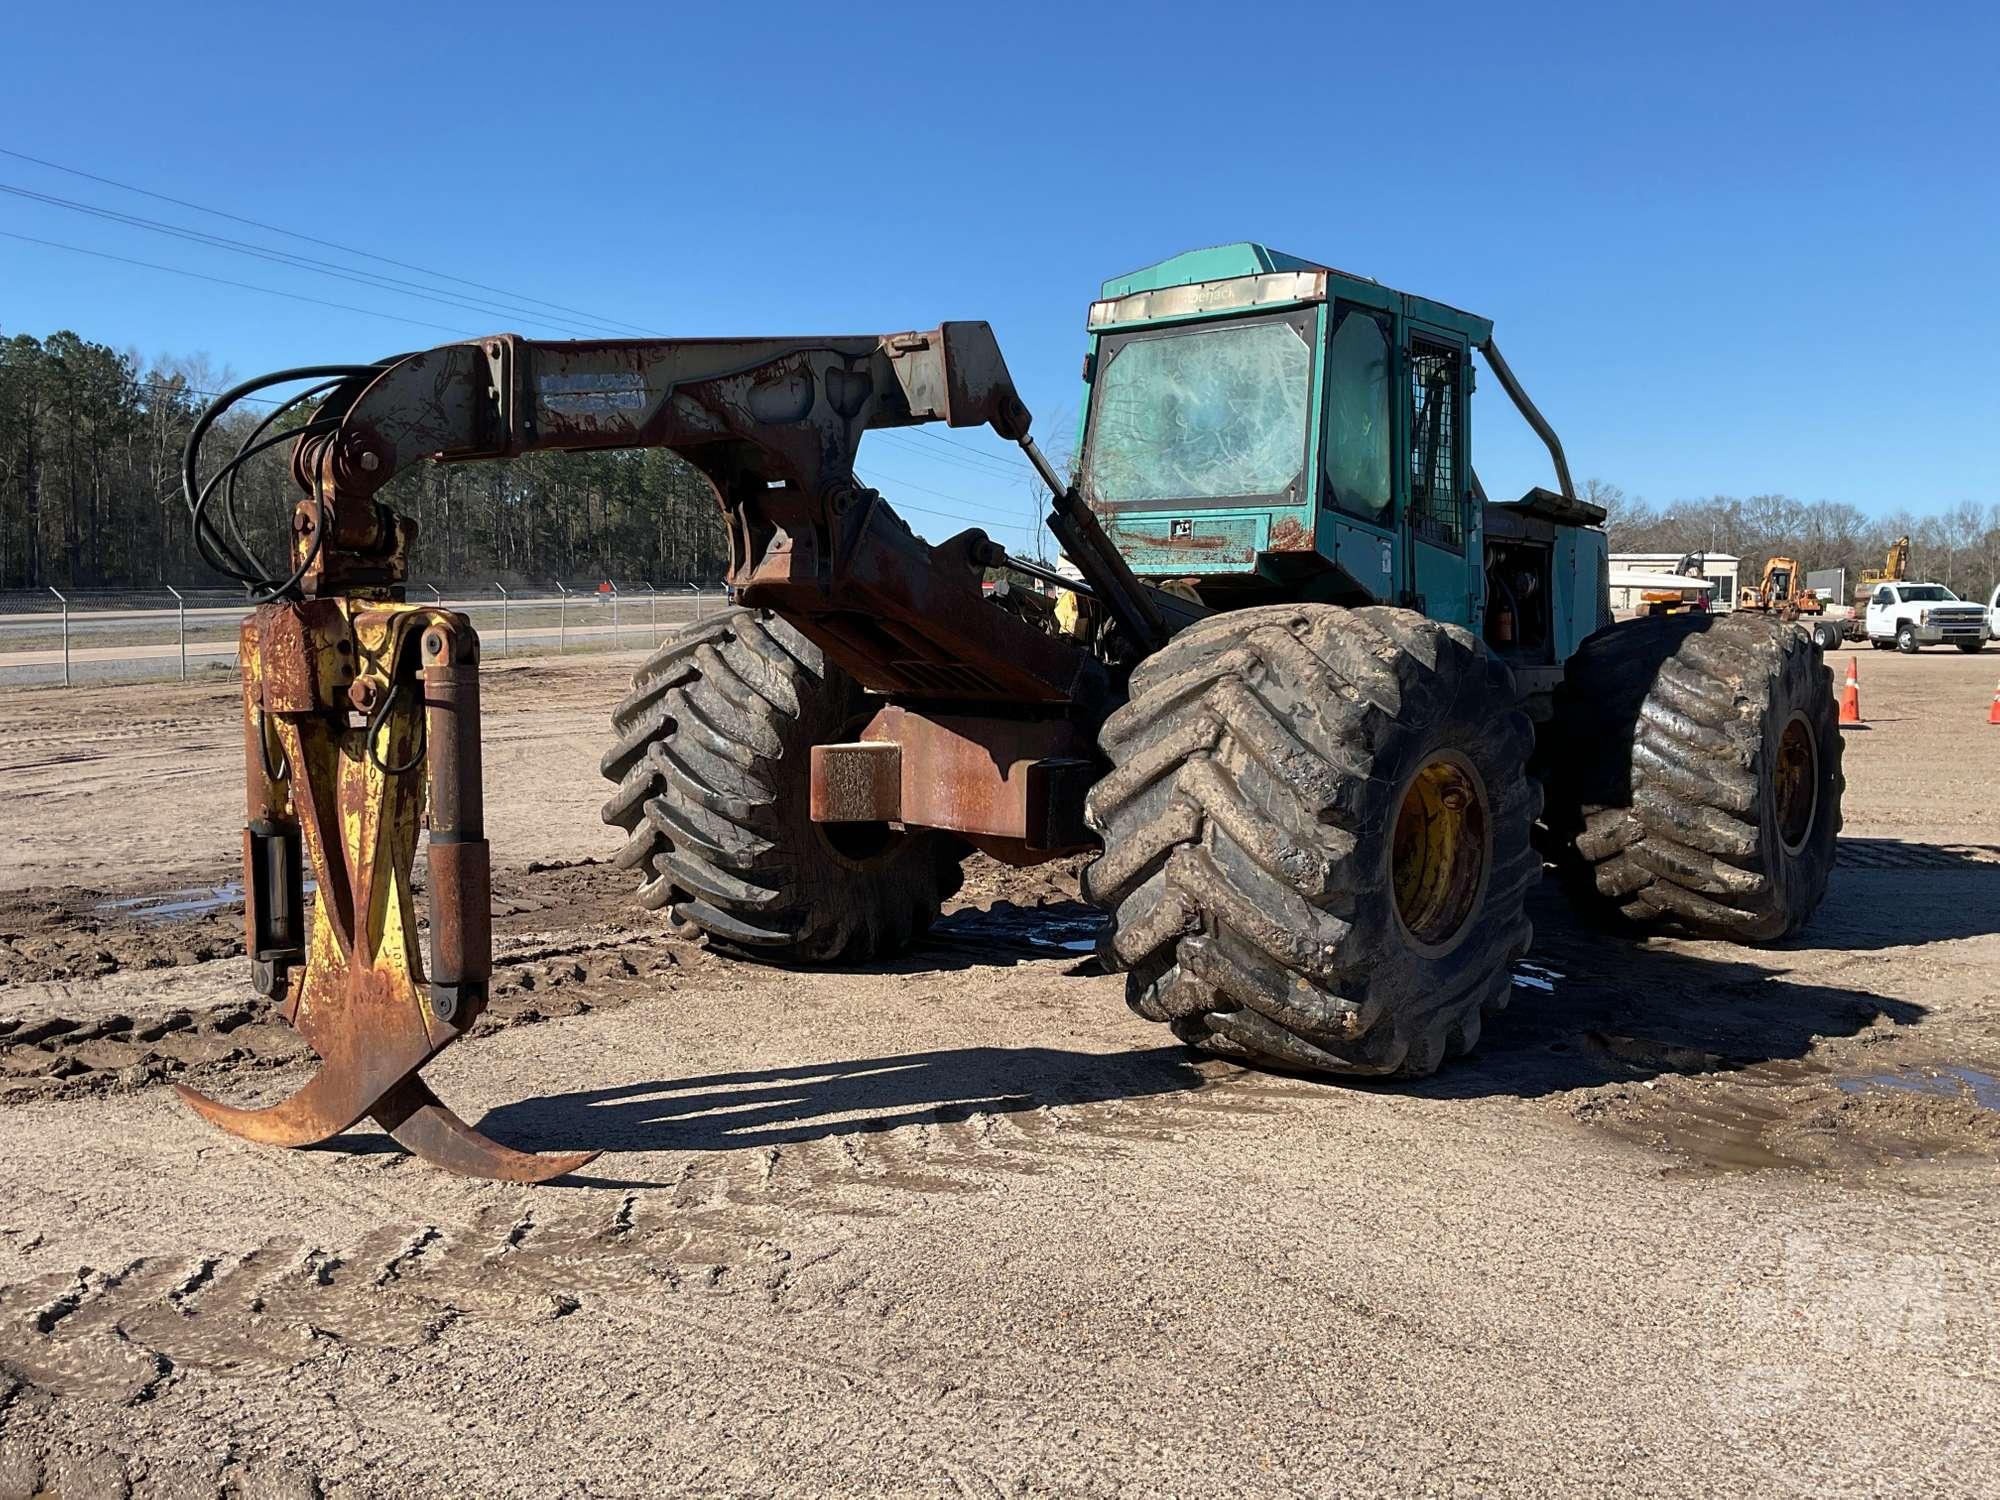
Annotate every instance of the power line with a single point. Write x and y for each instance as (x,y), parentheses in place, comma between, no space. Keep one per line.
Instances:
(904,484)
(936,455)
(938,437)
(240,285)
(314,240)
(299,262)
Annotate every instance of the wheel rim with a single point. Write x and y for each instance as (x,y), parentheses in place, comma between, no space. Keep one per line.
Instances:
(1438,856)
(1795,780)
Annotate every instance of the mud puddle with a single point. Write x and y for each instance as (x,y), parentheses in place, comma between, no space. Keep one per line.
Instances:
(1716,1114)
(1948,1082)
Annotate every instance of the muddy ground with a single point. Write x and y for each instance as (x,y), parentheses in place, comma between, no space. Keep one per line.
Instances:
(1693,1220)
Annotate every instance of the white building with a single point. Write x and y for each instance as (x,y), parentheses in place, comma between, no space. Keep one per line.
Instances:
(1719,568)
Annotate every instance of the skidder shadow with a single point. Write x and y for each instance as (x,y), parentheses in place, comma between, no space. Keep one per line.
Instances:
(1616,1012)
(814,1101)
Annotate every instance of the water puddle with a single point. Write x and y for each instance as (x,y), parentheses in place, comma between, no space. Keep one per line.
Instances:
(1529,976)
(169,906)
(1062,927)
(1723,1114)
(188,901)
(1951,1082)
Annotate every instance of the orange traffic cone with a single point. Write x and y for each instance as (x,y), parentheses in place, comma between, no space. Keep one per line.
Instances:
(1993,713)
(1850,696)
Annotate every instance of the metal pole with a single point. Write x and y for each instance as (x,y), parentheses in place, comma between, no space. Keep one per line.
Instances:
(436,598)
(614,614)
(65,604)
(562,619)
(182,605)
(506,635)
(654,595)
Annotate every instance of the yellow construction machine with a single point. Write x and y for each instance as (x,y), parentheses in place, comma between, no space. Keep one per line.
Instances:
(1780,591)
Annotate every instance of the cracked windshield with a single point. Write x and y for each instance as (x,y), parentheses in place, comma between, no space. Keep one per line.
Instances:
(1196,416)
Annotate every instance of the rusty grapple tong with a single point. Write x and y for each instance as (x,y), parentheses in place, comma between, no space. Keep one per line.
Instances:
(344,737)
(359,711)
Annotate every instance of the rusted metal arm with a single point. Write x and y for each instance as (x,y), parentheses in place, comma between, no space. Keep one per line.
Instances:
(775,426)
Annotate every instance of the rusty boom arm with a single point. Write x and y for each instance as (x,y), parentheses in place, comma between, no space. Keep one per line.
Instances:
(361,711)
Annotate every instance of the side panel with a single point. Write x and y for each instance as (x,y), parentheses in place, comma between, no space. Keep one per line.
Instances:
(1190,544)
(1582,573)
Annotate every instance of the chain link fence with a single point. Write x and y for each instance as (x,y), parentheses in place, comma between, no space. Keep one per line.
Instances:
(72,636)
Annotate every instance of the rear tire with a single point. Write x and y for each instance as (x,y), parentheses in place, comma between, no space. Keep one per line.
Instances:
(1695,776)
(1316,838)
(1827,636)
(713,760)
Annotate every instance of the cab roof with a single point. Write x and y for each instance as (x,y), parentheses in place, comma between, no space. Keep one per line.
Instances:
(1248,258)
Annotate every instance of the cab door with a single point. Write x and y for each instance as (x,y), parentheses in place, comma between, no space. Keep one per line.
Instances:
(1881,619)
(1442,529)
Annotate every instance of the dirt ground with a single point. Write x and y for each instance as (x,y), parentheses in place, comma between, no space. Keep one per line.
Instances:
(1693,1220)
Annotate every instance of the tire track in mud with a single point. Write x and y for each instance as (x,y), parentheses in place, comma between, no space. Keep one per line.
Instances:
(82,975)
(764,1223)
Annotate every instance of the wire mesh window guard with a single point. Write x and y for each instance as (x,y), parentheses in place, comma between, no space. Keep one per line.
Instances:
(1437,505)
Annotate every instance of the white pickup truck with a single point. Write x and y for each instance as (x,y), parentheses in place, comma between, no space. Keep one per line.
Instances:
(1910,616)
(1993,614)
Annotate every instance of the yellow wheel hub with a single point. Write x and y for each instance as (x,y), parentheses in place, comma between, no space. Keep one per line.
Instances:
(1437,862)
(1795,780)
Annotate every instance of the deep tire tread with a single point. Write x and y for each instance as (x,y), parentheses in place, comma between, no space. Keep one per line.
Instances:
(1661,795)
(1245,819)
(711,753)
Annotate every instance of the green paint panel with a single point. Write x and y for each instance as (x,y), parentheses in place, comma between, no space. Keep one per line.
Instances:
(1166,545)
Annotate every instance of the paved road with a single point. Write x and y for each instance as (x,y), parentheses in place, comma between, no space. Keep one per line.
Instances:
(31,650)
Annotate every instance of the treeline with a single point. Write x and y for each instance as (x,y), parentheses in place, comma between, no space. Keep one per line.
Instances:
(90,489)
(90,497)
(1957,545)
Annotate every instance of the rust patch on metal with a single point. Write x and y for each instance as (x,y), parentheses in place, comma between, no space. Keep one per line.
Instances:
(1289,536)
(1016,783)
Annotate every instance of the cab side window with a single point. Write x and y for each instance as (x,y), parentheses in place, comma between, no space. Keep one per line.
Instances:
(1885,597)
(1356,446)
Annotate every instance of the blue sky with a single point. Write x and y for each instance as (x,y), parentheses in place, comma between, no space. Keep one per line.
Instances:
(1727,248)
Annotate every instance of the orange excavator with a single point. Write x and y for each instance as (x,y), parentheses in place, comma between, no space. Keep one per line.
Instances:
(1781,593)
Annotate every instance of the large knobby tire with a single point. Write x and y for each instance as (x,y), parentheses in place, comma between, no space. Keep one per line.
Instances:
(713,760)
(1275,772)
(1695,779)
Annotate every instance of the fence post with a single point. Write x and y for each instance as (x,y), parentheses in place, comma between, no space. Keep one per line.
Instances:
(614,615)
(654,595)
(182,606)
(562,620)
(65,604)
(506,636)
